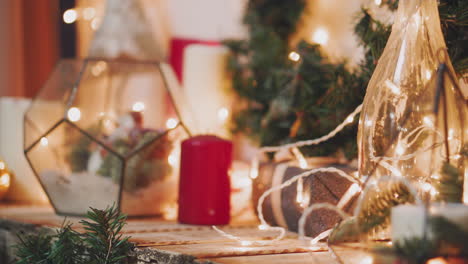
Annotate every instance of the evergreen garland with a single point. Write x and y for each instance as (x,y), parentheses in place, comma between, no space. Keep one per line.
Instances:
(289,101)
(100,244)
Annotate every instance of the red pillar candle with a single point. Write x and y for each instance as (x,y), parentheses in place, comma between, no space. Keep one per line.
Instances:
(204,188)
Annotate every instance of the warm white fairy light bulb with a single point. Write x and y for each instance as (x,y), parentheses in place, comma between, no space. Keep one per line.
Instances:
(223,114)
(89,13)
(300,158)
(300,192)
(98,68)
(5,179)
(367,260)
(172,159)
(95,23)
(138,107)
(400,150)
(451,134)
(437,261)
(378,2)
(417,19)
(254,169)
(393,87)
(44,142)
(428,74)
(427,187)
(74,114)
(70,16)
(427,120)
(320,36)
(294,56)
(2,165)
(171,123)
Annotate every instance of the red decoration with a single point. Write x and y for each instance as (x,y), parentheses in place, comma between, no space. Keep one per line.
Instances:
(176,57)
(204,188)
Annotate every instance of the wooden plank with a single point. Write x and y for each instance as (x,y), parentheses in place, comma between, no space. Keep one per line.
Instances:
(231,249)
(297,258)
(44,216)
(201,235)
(197,242)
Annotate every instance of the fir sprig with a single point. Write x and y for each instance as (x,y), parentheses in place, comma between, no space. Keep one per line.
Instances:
(34,249)
(416,250)
(68,248)
(102,242)
(450,185)
(444,239)
(374,214)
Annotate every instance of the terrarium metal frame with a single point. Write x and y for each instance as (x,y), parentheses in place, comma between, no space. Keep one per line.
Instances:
(122,158)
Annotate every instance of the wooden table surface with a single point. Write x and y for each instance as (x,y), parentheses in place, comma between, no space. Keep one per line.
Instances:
(201,242)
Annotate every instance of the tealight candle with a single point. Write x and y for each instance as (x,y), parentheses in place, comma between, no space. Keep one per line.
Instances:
(409,221)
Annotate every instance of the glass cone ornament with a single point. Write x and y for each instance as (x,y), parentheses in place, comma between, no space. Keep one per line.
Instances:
(106,129)
(413,124)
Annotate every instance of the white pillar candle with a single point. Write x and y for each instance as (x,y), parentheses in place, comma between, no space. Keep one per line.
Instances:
(25,186)
(409,221)
(206,85)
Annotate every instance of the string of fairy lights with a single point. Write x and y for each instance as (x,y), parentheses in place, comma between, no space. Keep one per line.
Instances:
(319,36)
(354,188)
(72,15)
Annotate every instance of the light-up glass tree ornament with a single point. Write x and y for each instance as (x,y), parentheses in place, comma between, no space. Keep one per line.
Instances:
(399,131)
(413,127)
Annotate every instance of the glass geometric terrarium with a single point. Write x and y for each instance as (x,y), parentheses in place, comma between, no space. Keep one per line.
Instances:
(103,132)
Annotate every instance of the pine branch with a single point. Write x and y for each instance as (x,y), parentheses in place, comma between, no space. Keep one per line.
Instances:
(374,215)
(416,250)
(34,249)
(450,185)
(68,247)
(452,239)
(446,239)
(375,212)
(100,244)
(105,244)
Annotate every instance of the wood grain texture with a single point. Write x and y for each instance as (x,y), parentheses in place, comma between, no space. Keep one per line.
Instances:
(304,258)
(168,242)
(228,249)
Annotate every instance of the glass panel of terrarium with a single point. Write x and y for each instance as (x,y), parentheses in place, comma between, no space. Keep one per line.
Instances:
(48,107)
(151,174)
(61,166)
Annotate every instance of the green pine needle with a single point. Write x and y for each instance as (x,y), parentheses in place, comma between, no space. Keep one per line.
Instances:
(105,244)
(34,249)
(102,242)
